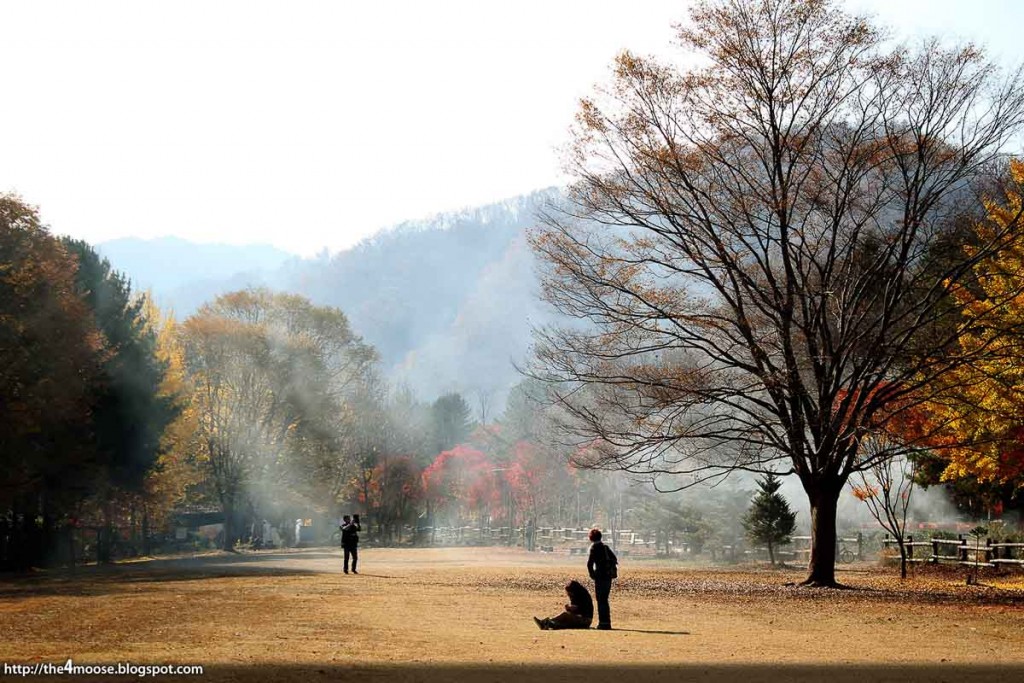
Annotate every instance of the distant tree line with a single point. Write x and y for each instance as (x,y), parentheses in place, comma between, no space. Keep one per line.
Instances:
(264,406)
(800,253)
(261,405)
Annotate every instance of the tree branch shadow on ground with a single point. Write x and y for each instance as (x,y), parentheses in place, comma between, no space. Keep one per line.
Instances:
(91,580)
(373,576)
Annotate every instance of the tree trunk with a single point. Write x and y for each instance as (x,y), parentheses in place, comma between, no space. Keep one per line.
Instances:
(146,548)
(903,558)
(771,553)
(5,547)
(50,553)
(430,521)
(17,546)
(822,568)
(71,546)
(230,529)
(105,537)
(135,527)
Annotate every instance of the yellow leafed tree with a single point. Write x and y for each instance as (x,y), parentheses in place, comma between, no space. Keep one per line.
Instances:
(176,470)
(983,421)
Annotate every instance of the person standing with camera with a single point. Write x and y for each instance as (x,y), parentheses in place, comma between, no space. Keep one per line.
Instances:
(603,567)
(350,540)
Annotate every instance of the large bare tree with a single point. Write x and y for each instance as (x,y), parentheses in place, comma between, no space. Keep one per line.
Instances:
(757,242)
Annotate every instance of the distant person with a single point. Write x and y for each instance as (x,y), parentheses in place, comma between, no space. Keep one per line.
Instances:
(531,535)
(578,613)
(350,540)
(603,567)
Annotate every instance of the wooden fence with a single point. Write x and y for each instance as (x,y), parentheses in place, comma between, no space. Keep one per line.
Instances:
(961,551)
(850,549)
(628,542)
(546,539)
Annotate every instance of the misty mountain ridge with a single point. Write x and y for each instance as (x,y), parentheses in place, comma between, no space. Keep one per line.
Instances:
(182,274)
(167,262)
(497,212)
(448,300)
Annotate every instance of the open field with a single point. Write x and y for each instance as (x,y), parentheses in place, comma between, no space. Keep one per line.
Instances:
(464,615)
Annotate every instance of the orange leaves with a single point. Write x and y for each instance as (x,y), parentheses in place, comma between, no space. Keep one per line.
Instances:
(863,493)
(463,476)
(590,117)
(50,347)
(901,418)
(628,65)
(395,481)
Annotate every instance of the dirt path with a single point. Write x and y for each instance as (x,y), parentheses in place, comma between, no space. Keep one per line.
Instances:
(464,615)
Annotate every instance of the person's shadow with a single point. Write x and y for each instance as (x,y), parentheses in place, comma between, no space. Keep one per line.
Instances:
(657,633)
(375,576)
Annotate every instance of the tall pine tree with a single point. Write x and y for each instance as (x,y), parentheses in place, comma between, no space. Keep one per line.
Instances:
(130,413)
(770,520)
(450,421)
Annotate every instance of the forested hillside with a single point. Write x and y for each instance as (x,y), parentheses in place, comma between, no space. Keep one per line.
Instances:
(447,301)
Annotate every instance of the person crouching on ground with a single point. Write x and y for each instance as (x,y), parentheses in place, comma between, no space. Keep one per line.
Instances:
(578,613)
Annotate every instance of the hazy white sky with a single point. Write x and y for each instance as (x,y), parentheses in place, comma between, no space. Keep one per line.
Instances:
(307,124)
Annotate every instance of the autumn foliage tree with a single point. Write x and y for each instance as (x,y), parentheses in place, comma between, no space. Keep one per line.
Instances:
(540,481)
(526,475)
(981,420)
(886,488)
(396,490)
(178,466)
(889,455)
(51,356)
(754,241)
(269,375)
(461,484)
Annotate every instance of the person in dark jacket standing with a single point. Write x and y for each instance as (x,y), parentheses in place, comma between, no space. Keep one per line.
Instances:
(600,566)
(350,540)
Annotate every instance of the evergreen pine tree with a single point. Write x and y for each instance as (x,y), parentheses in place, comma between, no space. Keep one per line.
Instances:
(129,413)
(450,421)
(770,520)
